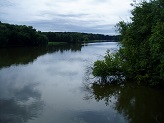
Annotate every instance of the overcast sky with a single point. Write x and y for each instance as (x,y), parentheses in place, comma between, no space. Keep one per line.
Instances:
(91,16)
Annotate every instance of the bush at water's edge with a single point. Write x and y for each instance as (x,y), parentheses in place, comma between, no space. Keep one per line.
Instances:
(141,55)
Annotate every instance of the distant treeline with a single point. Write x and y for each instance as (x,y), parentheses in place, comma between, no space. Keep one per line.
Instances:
(76,37)
(22,35)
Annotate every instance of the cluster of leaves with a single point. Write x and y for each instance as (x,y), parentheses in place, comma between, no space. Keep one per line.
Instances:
(20,35)
(142,44)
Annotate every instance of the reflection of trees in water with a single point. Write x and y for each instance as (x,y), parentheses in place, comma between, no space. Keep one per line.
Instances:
(141,104)
(25,55)
(101,92)
(20,105)
(137,104)
(97,117)
(63,48)
(10,56)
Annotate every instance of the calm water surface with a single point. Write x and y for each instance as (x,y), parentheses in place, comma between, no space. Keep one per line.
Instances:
(49,85)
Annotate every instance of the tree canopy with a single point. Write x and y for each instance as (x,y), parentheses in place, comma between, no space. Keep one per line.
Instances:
(141,55)
(20,35)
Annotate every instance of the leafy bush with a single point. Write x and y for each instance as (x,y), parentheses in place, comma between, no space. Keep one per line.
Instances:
(141,55)
(109,69)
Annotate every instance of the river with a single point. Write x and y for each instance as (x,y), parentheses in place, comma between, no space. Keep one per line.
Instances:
(50,85)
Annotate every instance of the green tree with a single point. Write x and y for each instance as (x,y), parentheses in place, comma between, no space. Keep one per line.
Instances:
(142,43)
(15,35)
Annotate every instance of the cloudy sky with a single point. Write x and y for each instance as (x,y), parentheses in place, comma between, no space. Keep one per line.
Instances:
(91,16)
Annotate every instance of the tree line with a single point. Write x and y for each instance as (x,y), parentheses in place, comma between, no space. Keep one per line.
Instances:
(22,35)
(76,37)
(141,55)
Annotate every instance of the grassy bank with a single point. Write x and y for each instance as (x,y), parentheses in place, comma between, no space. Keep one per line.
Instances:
(56,43)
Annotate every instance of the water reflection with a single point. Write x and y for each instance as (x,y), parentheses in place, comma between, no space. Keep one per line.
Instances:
(18,104)
(63,48)
(137,104)
(17,56)
(25,55)
(98,117)
(48,89)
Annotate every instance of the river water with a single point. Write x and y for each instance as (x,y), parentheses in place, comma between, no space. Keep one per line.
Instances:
(50,85)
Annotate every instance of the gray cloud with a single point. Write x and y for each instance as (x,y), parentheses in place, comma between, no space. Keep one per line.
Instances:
(63,25)
(5,3)
(72,15)
(92,16)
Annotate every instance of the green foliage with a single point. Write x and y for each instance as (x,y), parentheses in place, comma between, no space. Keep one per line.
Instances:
(14,35)
(110,68)
(69,37)
(142,44)
(56,43)
(76,37)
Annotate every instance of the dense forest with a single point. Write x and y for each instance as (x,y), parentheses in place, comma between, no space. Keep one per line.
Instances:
(72,37)
(22,35)
(141,55)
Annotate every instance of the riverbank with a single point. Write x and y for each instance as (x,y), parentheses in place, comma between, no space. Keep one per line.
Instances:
(56,43)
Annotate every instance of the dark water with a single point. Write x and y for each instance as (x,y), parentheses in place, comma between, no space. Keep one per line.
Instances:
(49,85)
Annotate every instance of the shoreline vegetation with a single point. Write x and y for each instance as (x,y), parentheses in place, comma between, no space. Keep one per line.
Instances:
(21,35)
(140,58)
(56,43)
